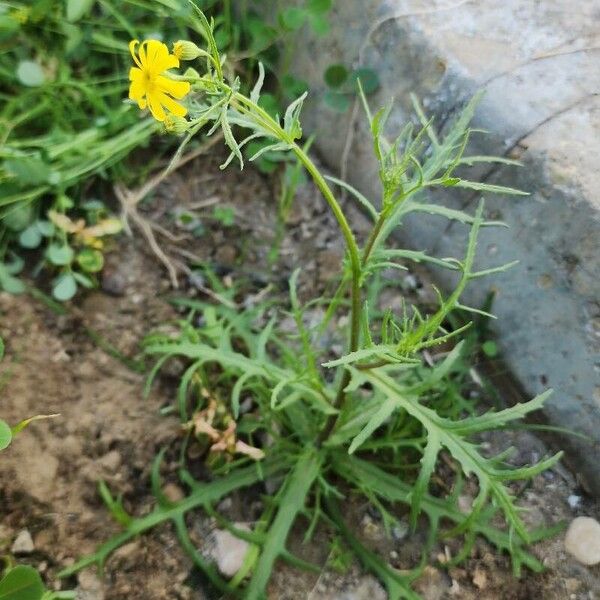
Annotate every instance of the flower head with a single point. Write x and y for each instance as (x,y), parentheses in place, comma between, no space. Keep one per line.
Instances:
(150,87)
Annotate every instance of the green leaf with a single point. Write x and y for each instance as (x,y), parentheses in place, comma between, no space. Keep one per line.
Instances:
(488,187)
(46,228)
(22,583)
(30,73)
(1,348)
(293,18)
(77,9)
(65,287)
(451,435)
(296,488)
(9,283)
(5,435)
(19,217)
(320,25)
(319,7)
(29,170)
(388,406)
(202,495)
(30,237)
(8,26)
(490,348)
(225,215)
(90,260)
(60,255)
(337,101)
(26,422)
(369,79)
(335,75)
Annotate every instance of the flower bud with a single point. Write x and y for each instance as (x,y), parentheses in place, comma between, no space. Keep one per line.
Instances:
(186,50)
(190,73)
(175,125)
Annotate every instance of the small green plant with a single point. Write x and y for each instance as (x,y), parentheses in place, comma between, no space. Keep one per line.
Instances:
(372,423)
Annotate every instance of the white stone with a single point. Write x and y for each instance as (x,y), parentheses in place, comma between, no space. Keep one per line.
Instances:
(229,551)
(23,543)
(583,540)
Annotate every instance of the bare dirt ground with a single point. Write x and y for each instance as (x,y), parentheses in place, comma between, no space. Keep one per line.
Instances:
(107,430)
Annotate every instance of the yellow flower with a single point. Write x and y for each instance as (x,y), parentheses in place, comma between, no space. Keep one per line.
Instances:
(149,86)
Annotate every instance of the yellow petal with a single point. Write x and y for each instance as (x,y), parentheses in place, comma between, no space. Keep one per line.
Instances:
(132,45)
(172,106)
(137,90)
(135,74)
(155,107)
(170,61)
(177,89)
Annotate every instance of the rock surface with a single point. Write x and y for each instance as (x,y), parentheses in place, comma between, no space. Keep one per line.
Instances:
(583,540)
(538,64)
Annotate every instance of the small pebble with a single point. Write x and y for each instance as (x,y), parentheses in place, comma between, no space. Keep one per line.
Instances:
(173,492)
(113,282)
(583,540)
(574,501)
(229,551)
(23,543)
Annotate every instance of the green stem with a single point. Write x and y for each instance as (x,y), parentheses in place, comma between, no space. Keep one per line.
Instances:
(373,236)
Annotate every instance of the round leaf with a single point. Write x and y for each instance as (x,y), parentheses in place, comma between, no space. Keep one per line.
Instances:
(46,228)
(293,17)
(64,289)
(368,79)
(59,255)
(490,348)
(11,284)
(19,217)
(90,260)
(335,76)
(320,25)
(319,7)
(30,73)
(22,583)
(5,435)
(30,237)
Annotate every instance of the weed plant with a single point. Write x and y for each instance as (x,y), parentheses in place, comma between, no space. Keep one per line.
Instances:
(374,423)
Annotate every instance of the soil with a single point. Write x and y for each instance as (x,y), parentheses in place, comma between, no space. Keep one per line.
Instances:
(73,364)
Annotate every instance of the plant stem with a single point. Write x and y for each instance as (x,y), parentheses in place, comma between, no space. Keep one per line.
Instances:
(373,236)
